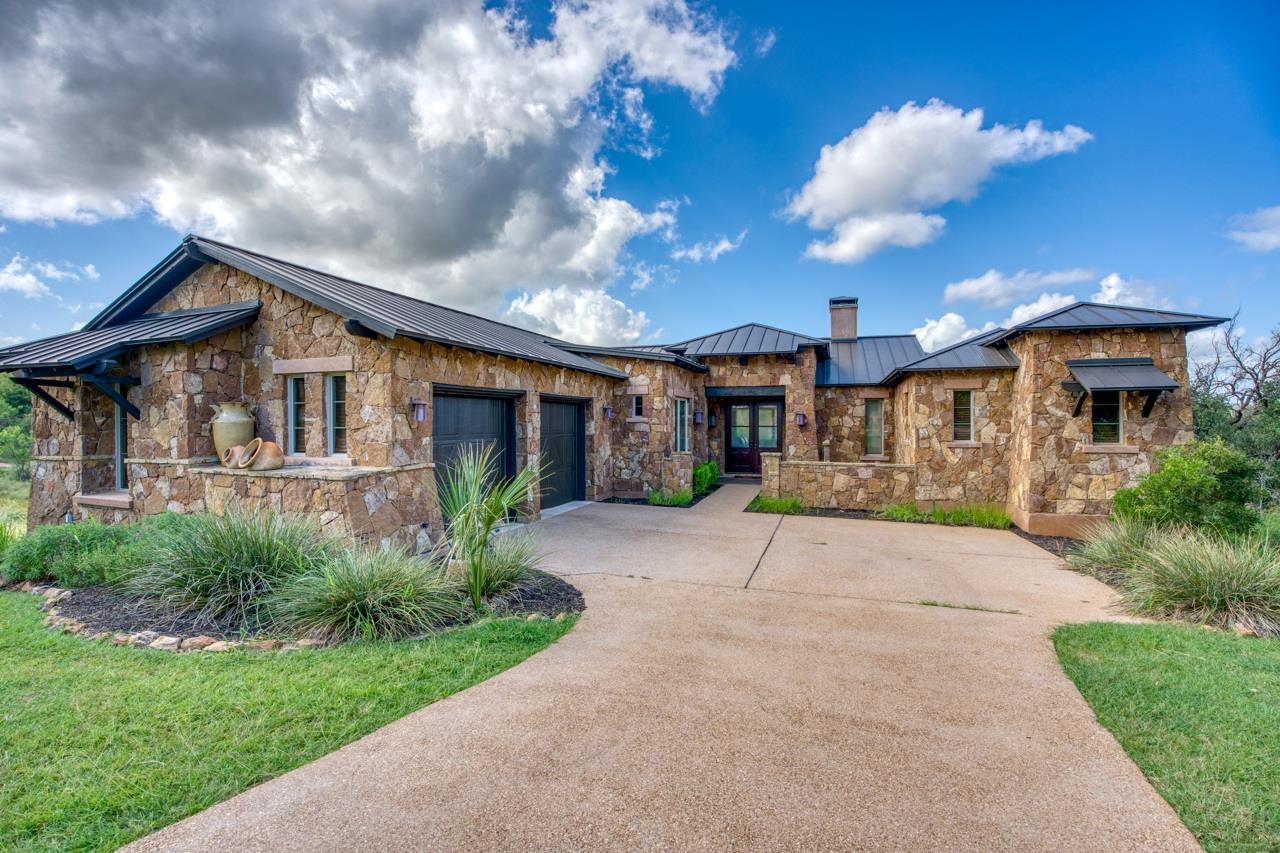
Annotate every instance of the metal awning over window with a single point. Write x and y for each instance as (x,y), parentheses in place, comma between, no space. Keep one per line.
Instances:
(1140,375)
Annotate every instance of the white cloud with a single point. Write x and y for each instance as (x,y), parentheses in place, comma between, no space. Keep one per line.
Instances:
(1258,231)
(442,149)
(1045,303)
(20,275)
(994,288)
(10,340)
(709,250)
(581,316)
(765,42)
(948,329)
(1114,290)
(874,187)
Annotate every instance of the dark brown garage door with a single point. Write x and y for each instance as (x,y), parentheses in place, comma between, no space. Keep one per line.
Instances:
(462,420)
(562,456)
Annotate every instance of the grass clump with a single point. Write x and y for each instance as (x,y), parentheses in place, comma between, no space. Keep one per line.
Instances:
(1197,711)
(512,556)
(965,515)
(9,533)
(220,565)
(670,497)
(364,595)
(1110,550)
(705,476)
(101,745)
(776,506)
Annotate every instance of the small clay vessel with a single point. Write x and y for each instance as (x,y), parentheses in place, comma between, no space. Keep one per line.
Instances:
(267,456)
(231,456)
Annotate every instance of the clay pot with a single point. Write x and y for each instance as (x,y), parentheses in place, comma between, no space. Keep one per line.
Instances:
(259,455)
(231,456)
(232,425)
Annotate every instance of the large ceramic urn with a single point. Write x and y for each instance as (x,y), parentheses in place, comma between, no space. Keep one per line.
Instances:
(232,426)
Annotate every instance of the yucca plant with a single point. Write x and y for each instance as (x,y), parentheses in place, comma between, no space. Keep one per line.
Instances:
(476,500)
(371,594)
(1110,550)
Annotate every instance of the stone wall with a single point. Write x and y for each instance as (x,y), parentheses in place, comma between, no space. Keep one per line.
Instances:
(796,376)
(837,485)
(70,457)
(953,472)
(1061,480)
(842,421)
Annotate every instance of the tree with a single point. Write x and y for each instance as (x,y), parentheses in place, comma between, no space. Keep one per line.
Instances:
(15,426)
(1236,397)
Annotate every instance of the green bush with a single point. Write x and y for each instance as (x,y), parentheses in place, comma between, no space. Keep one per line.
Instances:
(670,497)
(366,595)
(60,552)
(1202,484)
(1110,550)
(1203,577)
(705,476)
(9,533)
(965,515)
(775,506)
(228,564)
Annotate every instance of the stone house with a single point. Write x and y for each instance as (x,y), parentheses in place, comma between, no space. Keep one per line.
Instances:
(370,393)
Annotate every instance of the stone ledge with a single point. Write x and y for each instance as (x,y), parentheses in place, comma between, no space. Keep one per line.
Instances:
(311,472)
(1120,449)
(963,445)
(116,499)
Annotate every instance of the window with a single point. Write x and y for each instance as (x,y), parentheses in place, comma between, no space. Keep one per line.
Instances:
(962,416)
(873,441)
(336,403)
(767,427)
(296,413)
(637,406)
(122,441)
(1107,417)
(682,425)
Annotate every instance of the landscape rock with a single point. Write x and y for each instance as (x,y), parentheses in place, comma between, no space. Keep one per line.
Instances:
(309,644)
(143,638)
(165,644)
(195,644)
(266,645)
(220,646)
(121,640)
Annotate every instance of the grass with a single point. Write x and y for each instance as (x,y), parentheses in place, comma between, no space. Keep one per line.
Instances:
(1199,712)
(776,506)
(670,497)
(14,494)
(100,745)
(967,515)
(1270,526)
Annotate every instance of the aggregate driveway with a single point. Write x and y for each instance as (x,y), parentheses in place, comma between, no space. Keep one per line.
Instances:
(745,681)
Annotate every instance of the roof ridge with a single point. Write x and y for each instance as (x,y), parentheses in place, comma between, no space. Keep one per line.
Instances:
(745,325)
(972,339)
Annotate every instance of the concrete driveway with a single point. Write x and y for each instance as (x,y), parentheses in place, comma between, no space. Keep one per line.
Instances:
(746,681)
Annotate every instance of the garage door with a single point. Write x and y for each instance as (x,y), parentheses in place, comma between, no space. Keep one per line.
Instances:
(462,420)
(563,453)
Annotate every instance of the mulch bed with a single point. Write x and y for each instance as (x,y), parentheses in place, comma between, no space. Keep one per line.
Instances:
(543,594)
(645,501)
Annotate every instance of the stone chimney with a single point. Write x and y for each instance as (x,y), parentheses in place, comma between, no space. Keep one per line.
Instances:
(844,317)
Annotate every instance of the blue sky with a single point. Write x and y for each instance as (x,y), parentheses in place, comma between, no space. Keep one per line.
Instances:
(1177,106)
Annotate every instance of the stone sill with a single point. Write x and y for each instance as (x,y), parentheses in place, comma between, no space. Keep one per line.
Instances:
(311,472)
(638,419)
(964,444)
(874,457)
(115,499)
(859,464)
(1122,449)
(319,461)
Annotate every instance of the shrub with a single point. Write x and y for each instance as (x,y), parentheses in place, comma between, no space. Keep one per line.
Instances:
(776,506)
(58,552)
(372,594)
(672,497)
(1203,577)
(705,476)
(1110,550)
(1202,484)
(227,564)
(511,557)
(476,502)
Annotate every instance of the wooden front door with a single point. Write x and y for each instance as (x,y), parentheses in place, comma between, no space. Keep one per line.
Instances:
(751,428)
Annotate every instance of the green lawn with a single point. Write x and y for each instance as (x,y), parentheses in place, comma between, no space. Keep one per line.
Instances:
(100,745)
(1199,712)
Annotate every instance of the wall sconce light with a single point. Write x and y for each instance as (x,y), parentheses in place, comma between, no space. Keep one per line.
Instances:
(713,419)
(800,419)
(608,412)
(697,417)
(418,408)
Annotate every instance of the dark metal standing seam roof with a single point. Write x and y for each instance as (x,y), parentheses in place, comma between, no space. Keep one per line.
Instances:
(1094,315)
(867,361)
(79,350)
(748,339)
(1120,374)
(976,353)
(645,353)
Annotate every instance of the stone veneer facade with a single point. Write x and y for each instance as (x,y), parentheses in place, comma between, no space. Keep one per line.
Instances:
(1028,452)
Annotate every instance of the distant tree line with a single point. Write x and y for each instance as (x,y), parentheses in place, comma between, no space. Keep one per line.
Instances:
(15,428)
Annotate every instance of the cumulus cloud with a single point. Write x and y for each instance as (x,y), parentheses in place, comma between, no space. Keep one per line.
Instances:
(1258,231)
(993,288)
(946,330)
(442,149)
(873,188)
(1115,290)
(581,316)
(21,276)
(709,250)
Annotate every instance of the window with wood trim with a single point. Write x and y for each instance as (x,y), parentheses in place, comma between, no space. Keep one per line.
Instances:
(296,412)
(637,406)
(1108,417)
(682,425)
(336,413)
(961,415)
(873,434)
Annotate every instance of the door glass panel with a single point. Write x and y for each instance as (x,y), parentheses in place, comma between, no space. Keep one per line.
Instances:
(740,427)
(768,416)
(740,416)
(768,437)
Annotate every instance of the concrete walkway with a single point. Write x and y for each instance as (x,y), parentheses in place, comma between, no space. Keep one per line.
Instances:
(744,681)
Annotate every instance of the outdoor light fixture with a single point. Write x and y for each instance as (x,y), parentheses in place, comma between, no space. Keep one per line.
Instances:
(697,417)
(418,408)
(713,418)
(608,412)
(800,419)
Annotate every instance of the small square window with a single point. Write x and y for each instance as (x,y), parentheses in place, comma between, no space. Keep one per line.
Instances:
(1107,417)
(637,406)
(962,416)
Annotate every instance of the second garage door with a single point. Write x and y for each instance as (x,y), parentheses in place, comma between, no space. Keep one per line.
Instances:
(562,456)
(462,420)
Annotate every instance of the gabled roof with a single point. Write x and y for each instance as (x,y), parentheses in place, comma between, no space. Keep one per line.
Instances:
(868,360)
(1079,316)
(76,351)
(747,339)
(381,311)
(976,353)
(642,353)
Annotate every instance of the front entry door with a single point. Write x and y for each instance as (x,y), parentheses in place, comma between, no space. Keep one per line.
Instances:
(753,428)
